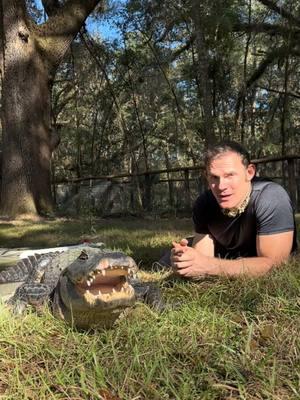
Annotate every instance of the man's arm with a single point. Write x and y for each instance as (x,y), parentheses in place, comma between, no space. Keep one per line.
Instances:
(204,244)
(272,250)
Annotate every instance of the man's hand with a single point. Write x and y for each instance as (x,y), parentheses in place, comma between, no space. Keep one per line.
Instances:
(186,261)
(179,248)
(197,261)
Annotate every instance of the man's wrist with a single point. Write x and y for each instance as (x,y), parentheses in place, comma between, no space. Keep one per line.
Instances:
(209,266)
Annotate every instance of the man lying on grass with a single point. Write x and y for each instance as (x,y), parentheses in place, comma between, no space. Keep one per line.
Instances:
(243,225)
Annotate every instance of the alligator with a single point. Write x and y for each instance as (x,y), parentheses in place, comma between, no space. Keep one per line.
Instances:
(86,287)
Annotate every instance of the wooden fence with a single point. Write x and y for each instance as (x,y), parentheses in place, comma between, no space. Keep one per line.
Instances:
(190,180)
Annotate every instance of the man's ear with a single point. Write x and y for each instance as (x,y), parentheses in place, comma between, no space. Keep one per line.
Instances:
(251,172)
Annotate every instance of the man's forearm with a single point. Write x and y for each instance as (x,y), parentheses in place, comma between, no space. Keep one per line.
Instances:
(251,267)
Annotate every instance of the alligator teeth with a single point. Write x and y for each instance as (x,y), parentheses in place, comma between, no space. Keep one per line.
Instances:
(114,290)
(88,283)
(99,292)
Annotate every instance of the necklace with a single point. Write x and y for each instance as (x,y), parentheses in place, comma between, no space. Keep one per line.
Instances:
(235,211)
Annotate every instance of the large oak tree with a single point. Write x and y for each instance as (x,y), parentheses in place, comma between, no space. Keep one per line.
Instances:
(29,57)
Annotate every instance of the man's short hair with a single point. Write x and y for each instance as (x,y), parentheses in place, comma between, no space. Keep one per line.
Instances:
(215,150)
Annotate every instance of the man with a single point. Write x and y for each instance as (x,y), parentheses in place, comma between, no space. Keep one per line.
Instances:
(243,225)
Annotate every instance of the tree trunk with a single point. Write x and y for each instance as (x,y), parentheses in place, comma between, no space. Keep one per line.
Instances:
(170,183)
(29,57)
(284,116)
(203,81)
(26,127)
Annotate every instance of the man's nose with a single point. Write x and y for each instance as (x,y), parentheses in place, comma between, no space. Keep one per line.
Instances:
(222,184)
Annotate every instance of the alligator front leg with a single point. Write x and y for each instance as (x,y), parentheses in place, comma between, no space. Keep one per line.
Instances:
(36,295)
(149,293)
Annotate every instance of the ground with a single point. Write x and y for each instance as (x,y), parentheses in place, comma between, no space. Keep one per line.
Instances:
(229,339)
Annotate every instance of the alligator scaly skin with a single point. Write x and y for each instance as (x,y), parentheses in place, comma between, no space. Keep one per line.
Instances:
(72,281)
(40,274)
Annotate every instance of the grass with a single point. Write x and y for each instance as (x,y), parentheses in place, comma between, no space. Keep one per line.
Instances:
(227,339)
(145,240)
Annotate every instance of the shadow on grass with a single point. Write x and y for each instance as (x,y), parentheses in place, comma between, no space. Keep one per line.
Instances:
(145,240)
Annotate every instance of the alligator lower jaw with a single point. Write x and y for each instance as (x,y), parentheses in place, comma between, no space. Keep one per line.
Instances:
(106,288)
(93,295)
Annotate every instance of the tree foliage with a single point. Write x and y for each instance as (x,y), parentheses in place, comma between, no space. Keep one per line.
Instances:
(172,78)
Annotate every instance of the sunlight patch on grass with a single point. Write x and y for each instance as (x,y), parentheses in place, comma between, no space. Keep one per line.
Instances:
(145,240)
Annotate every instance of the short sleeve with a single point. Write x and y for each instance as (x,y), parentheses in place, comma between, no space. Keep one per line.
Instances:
(274,210)
(200,214)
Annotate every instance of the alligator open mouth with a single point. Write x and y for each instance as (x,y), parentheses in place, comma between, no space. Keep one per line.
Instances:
(105,283)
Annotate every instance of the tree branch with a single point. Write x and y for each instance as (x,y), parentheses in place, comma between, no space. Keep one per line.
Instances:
(56,34)
(70,17)
(271,29)
(269,59)
(281,11)
(51,6)
(183,48)
(167,30)
(295,95)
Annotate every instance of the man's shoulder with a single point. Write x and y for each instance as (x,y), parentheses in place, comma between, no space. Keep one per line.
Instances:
(268,196)
(266,185)
(273,210)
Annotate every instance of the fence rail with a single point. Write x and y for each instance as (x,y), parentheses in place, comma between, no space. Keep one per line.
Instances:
(285,169)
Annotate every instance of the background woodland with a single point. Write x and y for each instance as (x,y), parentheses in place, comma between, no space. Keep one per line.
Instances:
(167,79)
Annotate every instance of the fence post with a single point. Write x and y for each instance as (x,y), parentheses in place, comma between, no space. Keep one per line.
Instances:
(171,191)
(292,184)
(148,192)
(187,189)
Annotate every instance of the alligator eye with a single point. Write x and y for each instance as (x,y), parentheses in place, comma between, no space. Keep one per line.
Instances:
(83,255)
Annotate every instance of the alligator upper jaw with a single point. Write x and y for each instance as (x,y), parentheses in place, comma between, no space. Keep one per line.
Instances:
(107,285)
(104,281)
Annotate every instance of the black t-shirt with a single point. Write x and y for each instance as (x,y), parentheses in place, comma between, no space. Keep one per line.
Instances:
(269,211)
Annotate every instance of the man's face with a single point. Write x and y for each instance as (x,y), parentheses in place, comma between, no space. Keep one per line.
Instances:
(229,179)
